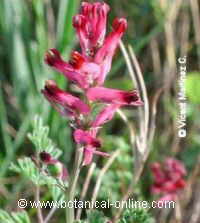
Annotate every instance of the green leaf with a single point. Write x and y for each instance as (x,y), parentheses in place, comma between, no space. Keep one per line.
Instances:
(27,168)
(5,217)
(14,217)
(65,32)
(95,216)
(57,193)
(39,137)
(136,215)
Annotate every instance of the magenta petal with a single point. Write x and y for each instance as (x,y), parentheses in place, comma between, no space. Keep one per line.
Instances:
(101,153)
(91,72)
(90,26)
(89,152)
(113,96)
(84,137)
(79,23)
(105,53)
(173,165)
(88,155)
(67,101)
(53,58)
(64,175)
(105,115)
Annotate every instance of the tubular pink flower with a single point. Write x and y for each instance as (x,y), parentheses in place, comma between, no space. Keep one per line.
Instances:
(84,137)
(71,104)
(91,26)
(78,70)
(53,58)
(113,96)
(105,53)
(105,115)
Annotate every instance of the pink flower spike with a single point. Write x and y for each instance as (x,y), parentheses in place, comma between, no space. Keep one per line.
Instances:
(105,54)
(67,101)
(105,115)
(91,26)
(113,96)
(54,59)
(168,178)
(84,137)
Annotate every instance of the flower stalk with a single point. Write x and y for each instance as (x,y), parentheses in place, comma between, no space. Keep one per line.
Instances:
(70,194)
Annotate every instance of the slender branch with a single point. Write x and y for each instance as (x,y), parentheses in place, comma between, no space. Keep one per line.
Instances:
(178,214)
(144,93)
(39,210)
(130,126)
(102,173)
(50,214)
(72,184)
(146,133)
(85,188)
(133,77)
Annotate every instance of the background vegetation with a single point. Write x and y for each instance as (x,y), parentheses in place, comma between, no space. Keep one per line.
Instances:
(160,31)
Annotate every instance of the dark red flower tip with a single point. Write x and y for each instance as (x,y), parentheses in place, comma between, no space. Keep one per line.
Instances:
(96,143)
(46,158)
(50,87)
(120,25)
(76,60)
(180,183)
(52,57)
(79,21)
(132,97)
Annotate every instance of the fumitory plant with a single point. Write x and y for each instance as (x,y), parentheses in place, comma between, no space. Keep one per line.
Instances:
(102,143)
(88,71)
(88,108)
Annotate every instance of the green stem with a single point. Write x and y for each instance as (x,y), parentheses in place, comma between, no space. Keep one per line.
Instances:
(73,183)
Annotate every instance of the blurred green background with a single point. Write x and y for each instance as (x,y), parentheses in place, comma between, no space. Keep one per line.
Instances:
(160,31)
